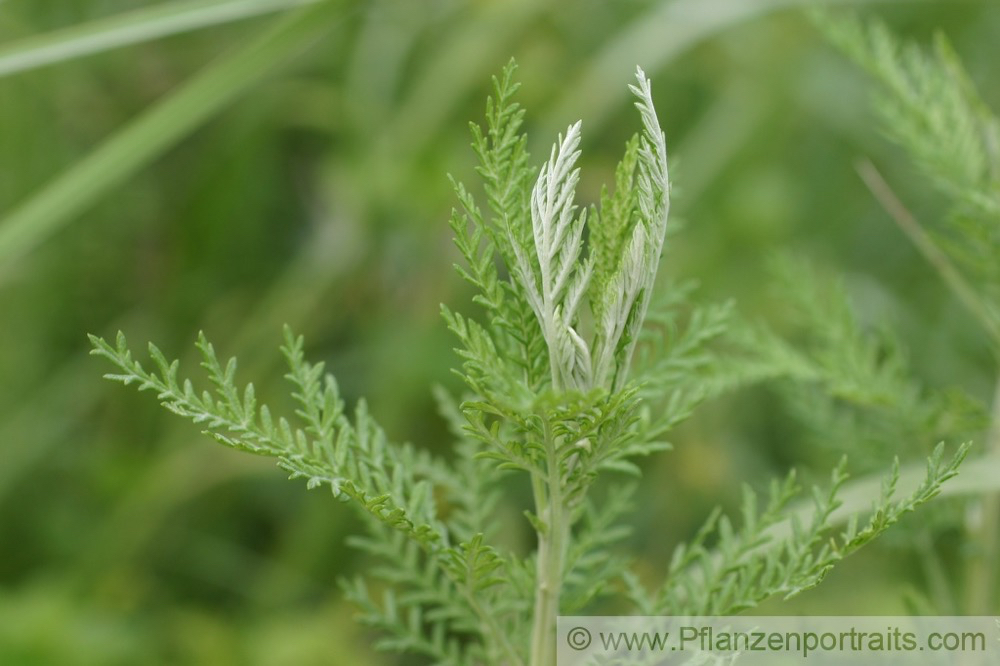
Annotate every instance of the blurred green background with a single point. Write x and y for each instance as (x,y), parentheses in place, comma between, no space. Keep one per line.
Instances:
(285,162)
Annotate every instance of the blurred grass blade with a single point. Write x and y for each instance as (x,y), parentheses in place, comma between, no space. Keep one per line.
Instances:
(157,129)
(132,27)
(939,260)
(653,39)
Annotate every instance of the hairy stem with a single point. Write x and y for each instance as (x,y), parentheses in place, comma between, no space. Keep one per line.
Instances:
(553,537)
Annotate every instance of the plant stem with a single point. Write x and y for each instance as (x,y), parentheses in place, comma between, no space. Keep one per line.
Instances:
(938,259)
(496,631)
(937,577)
(550,507)
(985,529)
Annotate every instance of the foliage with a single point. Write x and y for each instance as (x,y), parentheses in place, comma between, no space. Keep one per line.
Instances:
(929,105)
(551,394)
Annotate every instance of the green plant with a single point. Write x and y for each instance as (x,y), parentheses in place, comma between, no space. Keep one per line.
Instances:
(551,394)
(929,105)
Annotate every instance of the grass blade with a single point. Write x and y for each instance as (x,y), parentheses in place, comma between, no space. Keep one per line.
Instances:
(133,27)
(157,129)
(655,38)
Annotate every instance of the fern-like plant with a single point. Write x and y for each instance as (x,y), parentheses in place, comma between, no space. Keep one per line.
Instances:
(929,105)
(551,394)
